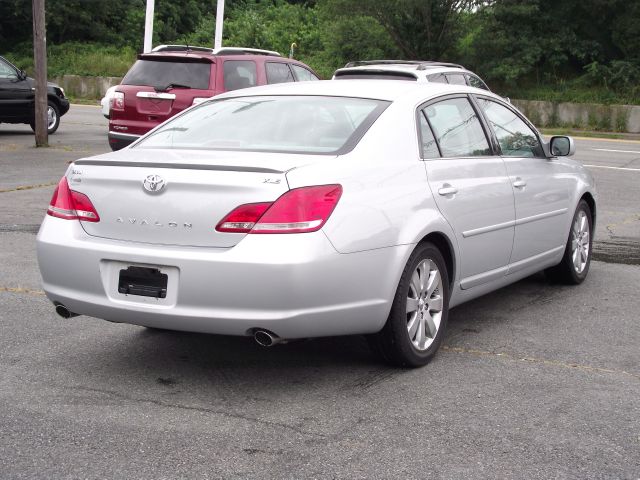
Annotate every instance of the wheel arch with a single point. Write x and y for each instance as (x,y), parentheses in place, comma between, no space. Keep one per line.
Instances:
(587,197)
(444,244)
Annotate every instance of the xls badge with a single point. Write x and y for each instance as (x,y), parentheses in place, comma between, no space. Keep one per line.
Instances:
(154,183)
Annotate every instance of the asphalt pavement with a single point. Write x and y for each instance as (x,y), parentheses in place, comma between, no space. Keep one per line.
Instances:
(533,381)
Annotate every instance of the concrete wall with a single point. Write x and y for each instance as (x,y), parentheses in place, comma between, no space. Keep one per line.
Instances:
(586,116)
(86,87)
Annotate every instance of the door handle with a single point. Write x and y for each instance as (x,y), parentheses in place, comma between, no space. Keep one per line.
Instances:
(447,189)
(519,183)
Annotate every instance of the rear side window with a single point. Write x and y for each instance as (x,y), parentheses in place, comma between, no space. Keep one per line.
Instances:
(457,128)
(287,124)
(278,73)
(239,74)
(163,74)
(456,79)
(302,74)
(427,140)
(437,78)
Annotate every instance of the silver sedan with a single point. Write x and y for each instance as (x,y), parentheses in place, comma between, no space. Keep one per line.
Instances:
(319,209)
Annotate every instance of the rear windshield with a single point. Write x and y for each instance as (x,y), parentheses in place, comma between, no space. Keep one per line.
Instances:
(161,74)
(291,124)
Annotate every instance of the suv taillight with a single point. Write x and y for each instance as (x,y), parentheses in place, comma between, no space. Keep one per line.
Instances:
(299,210)
(117,101)
(70,205)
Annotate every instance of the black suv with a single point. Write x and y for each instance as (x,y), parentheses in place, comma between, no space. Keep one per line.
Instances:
(17,98)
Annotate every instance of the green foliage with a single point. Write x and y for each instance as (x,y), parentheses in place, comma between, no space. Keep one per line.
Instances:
(79,59)
(574,50)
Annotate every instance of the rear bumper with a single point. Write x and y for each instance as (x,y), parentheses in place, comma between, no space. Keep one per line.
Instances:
(293,285)
(118,141)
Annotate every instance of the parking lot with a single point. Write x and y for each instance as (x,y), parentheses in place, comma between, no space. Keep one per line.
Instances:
(533,381)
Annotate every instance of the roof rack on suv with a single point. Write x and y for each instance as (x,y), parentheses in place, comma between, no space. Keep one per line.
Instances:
(244,51)
(181,48)
(421,64)
(219,51)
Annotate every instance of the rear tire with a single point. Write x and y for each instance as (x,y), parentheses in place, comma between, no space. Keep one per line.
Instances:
(53,118)
(418,318)
(574,267)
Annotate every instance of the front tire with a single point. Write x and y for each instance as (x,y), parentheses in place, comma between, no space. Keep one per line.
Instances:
(416,324)
(573,268)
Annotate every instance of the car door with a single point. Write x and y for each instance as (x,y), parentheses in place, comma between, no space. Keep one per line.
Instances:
(540,186)
(470,186)
(15,93)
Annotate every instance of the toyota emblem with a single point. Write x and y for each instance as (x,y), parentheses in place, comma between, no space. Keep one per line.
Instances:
(154,183)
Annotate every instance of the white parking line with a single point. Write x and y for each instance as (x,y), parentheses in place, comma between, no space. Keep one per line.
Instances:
(613,168)
(617,151)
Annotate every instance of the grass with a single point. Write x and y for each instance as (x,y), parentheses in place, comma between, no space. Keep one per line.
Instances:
(581,133)
(573,92)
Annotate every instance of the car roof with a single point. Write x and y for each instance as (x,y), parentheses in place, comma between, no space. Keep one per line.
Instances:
(388,90)
(412,69)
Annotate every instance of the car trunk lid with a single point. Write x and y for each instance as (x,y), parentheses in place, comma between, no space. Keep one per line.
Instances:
(155,196)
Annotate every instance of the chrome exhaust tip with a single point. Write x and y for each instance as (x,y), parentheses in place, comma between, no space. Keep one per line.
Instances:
(265,338)
(64,311)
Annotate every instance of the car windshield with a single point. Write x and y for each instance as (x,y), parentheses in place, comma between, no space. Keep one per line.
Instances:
(290,124)
(162,74)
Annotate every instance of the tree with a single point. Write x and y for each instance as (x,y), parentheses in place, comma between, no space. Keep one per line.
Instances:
(419,29)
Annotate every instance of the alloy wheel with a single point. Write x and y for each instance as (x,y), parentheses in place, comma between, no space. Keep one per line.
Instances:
(580,244)
(424,304)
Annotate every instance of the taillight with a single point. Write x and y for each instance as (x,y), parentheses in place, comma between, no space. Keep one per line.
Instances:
(70,205)
(299,210)
(117,101)
(243,218)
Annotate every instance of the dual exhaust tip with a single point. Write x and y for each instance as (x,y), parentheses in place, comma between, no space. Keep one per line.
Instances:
(64,312)
(265,338)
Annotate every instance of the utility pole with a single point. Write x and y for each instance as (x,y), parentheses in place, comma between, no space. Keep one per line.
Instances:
(148,26)
(219,18)
(40,61)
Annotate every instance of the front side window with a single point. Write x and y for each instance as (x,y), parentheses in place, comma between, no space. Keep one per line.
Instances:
(6,71)
(287,123)
(457,128)
(239,74)
(165,74)
(278,73)
(516,138)
(303,75)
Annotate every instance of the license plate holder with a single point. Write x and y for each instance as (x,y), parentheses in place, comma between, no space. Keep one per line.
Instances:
(143,281)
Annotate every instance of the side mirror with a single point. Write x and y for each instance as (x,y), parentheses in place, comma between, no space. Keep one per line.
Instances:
(561,146)
(22,75)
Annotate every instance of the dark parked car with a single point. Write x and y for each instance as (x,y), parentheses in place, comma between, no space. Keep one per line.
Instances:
(17,98)
(171,78)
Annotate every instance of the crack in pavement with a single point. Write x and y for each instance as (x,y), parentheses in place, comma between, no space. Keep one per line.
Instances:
(195,408)
(27,187)
(542,361)
(28,291)
(16,227)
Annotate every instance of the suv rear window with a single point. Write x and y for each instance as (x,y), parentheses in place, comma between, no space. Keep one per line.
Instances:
(161,74)
(291,124)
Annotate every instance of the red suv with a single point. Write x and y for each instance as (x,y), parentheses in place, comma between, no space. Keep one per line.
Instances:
(171,78)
